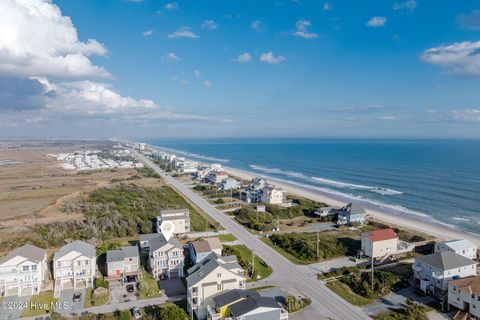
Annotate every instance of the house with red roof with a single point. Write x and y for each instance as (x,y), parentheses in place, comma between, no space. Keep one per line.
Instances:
(383,243)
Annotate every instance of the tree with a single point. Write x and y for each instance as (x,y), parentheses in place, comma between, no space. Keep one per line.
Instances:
(172,312)
(125,315)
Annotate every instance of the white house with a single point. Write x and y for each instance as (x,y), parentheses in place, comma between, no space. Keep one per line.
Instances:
(272,195)
(229,184)
(325,211)
(462,247)
(464,294)
(351,213)
(166,257)
(433,272)
(216,177)
(200,249)
(253,192)
(74,266)
(124,262)
(384,243)
(23,271)
(180,219)
(214,275)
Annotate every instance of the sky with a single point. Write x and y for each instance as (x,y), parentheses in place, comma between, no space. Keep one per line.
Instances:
(240,68)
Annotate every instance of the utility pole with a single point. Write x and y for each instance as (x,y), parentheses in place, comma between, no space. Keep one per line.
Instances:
(253,263)
(318,242)
(372,273)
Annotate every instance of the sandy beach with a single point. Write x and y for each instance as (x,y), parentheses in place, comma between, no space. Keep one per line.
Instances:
(380,212)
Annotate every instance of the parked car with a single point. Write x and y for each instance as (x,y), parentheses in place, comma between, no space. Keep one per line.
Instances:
(137,314)
(130,288)
(77,297)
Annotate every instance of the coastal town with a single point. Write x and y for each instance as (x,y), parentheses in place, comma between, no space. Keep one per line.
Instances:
(227,255)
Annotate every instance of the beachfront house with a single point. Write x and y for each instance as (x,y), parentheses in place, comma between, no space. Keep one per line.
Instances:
(229,184)
(384,243)
(74,266)
(179,217)
(165,257)
(245,305)
(464,295)
(272,195)
(202,172)
(187,167)
(200,249)
(350,214)
(123,263)
(433,272)
(462,247)
(253,192)
(144,240)
(325,211)
(215,177)
(214,275)
(23,271)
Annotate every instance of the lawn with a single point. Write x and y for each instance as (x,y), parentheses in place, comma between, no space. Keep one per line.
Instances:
(91,300)
(227,237)
(287,255)
(152,289)
(244,256)
(344,291)
(40,304)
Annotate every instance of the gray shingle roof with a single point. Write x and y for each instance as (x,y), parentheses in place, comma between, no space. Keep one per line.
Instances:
(207,265)
(122,253)
(159,241)
(231,296)
(167,212)
(251,303)
(82,247)
(148,236)
(446,260)
(27,251)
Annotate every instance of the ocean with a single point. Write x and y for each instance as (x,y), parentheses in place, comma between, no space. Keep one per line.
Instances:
(439,179)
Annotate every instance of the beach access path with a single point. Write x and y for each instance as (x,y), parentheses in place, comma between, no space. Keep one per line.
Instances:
(325,302)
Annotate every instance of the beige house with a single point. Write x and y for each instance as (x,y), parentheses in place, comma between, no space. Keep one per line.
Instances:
(384,243)
(166,257)
(23,271)
(200,249)
(464,294)
(214,275)
(180,219)
(272,195)
(124,262)
(74,266)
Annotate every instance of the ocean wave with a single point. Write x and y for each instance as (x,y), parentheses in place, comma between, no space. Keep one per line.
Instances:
(338,184)
(460,219)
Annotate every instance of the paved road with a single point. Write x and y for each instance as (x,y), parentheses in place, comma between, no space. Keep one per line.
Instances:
(328,304)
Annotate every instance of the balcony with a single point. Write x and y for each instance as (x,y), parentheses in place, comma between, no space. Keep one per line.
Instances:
(212,314)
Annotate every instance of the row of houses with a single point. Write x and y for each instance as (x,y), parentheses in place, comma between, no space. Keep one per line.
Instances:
(348,215)
(259,190)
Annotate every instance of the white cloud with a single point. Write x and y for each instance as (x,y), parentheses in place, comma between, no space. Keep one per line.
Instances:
(147,33)
(470,21)
(387,118)
(183,32)
(302,30)
(197,74)
(37,40)
(376,22)
(407,5)
(207,83)
(258,25)
(460,57)
(327,6)
(171,6)
(467,115)
(172,56)
(269,57)
(244,57)
(209,24)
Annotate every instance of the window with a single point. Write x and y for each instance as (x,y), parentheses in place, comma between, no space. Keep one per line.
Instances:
(219,287)
(219,275)
(86,262)
(25,268)
(34,267)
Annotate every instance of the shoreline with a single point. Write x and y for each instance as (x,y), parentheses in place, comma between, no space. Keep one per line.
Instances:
(383,213)
(396,217)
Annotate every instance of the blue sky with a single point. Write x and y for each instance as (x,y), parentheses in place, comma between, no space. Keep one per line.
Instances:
(240,68)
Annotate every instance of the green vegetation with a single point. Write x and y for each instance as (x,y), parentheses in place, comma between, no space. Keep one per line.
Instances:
(361,283)
(148,172)
(168,311)
(344,291)
(40,304)
(303,246)
(96,297)
(148,287)
(287,255)
(411,311)
(227,237)
(124,315)
(293,303)
(244,256)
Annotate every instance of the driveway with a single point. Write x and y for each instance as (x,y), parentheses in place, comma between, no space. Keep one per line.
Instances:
(173,288)
(333,264)
(66,299)
(395,300)
(13,307)
(119,294)
(279,293)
